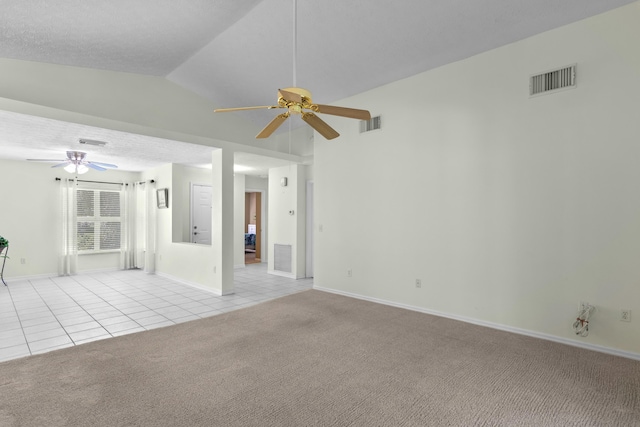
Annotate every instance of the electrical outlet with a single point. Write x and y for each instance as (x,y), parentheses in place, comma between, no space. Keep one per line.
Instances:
(23,261)
(625,315)
(418,283)
(349,273)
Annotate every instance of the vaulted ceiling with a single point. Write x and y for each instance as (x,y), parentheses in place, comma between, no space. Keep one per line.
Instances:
(239,52)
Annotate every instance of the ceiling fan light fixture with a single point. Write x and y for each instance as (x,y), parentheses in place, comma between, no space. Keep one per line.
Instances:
(71,168)
(296,100)
(82,169)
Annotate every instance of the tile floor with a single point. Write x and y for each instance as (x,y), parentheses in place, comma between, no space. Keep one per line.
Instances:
(41,315)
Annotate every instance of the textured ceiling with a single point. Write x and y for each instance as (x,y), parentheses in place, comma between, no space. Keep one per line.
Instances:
(239,52)
(142,36)
(27,137)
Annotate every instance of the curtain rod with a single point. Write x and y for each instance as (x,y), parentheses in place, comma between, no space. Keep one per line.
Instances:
(105,182)
(96,182)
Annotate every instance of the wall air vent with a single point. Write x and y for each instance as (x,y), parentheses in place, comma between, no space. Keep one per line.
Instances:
(282,258)
(553,81)
(372,124)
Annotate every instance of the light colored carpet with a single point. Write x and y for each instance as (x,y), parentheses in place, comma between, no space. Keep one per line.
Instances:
(315,358)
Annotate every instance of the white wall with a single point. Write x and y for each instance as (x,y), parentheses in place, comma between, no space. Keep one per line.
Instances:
(284,228)
(182,178)
(150,101)
(238,220)
(510,210)
(186,262)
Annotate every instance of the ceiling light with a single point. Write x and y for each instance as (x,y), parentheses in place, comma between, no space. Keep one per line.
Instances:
(82,169)
(71,168)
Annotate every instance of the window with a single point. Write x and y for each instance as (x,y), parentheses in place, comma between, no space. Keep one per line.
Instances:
(99,222)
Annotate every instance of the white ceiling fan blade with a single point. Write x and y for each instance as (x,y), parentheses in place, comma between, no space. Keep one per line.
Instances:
(46,160)
(94,166)
(106,165)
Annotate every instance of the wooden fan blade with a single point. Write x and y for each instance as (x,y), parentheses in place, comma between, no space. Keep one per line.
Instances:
(94,166)
(273,125)
(224,110)
(290,96)
(320,125)
(351,113)
(105,165)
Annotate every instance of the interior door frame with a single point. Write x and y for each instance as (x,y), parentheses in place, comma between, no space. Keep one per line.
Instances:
(263,222)
(309,231)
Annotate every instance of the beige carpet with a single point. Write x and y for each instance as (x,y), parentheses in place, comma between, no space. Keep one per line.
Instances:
(316,358)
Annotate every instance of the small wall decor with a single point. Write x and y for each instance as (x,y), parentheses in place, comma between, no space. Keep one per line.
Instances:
(163,198)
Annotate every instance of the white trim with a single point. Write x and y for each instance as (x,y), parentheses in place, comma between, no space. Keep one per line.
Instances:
(239,266)
(520,331)
(192,284)
(309,230)
(263,221)
(282,273)
(103,270)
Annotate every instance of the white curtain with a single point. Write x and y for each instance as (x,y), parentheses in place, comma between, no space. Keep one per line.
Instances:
(68,254)
(138,227)
(128,241)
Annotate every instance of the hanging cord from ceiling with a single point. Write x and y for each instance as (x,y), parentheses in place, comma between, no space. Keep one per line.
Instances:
(581,325)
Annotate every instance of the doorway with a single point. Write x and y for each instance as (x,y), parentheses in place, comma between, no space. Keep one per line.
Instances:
(253,227)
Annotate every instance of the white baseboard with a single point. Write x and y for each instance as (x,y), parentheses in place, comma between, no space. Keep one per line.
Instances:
(192,284)
(102,270)
(282,273)
(52,275)
(548,337)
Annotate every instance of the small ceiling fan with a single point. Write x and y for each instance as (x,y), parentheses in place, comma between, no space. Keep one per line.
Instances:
(296,100)
(77,162)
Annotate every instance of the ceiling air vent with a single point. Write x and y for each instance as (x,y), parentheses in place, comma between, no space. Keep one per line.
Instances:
(92,142)
(552,81)
(372,124)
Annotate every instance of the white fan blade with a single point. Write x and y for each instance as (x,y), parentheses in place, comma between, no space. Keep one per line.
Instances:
(106,165)
(94,166)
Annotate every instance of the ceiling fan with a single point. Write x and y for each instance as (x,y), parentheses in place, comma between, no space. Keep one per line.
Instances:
(77,162)
(296,100)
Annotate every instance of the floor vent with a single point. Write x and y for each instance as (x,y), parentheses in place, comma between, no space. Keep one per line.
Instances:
(552,80)
(282,258)
(368,125)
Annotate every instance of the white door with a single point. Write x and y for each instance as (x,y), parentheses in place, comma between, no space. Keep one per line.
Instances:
(201,214)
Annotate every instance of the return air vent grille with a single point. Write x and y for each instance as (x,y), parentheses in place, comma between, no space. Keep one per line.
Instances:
(282,258)
(368,125)
(552,80)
